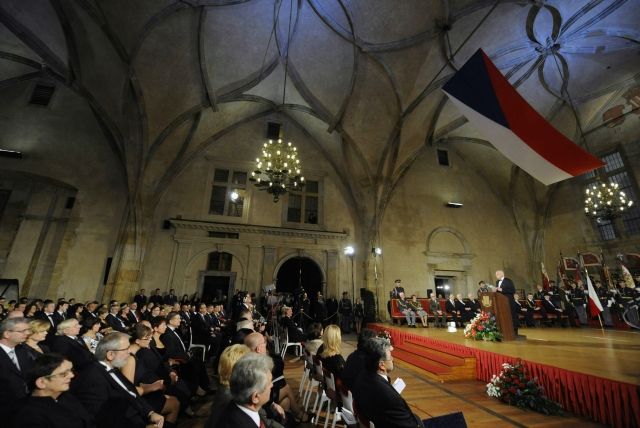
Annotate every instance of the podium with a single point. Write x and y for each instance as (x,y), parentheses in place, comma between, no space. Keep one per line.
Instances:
(500,306)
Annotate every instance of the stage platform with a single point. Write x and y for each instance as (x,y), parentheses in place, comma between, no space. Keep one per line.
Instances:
(591,373)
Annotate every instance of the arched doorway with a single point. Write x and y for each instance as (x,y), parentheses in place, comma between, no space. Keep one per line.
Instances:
(299,271)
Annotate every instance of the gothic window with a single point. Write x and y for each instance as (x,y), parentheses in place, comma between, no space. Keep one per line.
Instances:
(303,206)
(228,192)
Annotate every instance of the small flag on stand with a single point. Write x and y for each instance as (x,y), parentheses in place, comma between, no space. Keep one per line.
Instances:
(545,277)
(595,307)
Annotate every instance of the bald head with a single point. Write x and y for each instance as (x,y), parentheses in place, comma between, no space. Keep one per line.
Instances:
(256,342)
(499,275)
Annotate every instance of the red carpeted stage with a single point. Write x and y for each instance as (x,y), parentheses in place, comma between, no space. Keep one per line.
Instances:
(591,373)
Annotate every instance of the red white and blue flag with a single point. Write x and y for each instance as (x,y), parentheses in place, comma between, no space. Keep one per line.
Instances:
(595,307)
(514,128)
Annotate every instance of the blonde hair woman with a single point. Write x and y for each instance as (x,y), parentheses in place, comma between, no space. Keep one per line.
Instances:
(38,330)
(331,348)
(228,359)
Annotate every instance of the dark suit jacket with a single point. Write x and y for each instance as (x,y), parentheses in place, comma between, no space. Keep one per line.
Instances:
(295,335)
(381,404)
(111,405)
(507,286)
(156,299)
(173,348)
(232,417)
(141,300)
(66,412)
(116,323)
(78,354)
(131,317)
(14,387)
(200,329)
(450,307)
(170,299)
(353,368)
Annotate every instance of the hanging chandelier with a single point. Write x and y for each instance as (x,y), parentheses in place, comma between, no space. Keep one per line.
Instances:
(278,170)
(605,200)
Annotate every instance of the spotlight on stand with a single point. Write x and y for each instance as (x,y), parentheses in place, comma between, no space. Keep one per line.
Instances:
(349,251)
(234,196)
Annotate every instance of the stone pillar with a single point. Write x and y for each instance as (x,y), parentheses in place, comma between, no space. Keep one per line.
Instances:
(332,269)
(268,265)
(181,259)
(255,261)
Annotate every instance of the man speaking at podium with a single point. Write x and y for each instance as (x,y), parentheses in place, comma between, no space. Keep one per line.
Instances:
(506,287)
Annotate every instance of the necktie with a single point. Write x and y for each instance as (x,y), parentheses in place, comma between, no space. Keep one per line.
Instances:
(262,425)
(14,358)
(53,324)
(122,381)
(80,341)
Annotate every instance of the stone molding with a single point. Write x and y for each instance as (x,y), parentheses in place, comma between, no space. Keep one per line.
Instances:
(211,226)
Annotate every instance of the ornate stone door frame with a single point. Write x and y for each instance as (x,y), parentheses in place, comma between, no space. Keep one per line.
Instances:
(459,264)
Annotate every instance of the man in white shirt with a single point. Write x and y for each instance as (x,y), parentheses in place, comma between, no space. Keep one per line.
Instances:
(14,363)
(250,386)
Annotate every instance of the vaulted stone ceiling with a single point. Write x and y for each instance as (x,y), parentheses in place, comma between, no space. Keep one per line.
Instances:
(166,79)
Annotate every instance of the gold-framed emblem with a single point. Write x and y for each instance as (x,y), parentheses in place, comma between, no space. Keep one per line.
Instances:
(486,301)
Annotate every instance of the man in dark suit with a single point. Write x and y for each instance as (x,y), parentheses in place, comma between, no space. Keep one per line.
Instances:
(522,310)
(133,317)
(505,286)
(250,386)
(295,334)
(171,298)
(551,308)
(114,321)
(48,314)
(14,363)
(140,298)
(373,393)
(90,310)
(156,299)
(355,361)
(60,313)
(109,395)
(451,309)
(68,343)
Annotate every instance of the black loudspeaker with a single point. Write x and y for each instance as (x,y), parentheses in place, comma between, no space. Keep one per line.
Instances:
(273,130)
(452,420)
(166,224)
(429,291)
(369,303)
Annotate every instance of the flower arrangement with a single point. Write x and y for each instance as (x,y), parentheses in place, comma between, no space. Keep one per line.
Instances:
(483,327)
(513,386)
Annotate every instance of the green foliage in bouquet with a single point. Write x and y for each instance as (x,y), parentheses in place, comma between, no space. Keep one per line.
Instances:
(483,327)
(513,386)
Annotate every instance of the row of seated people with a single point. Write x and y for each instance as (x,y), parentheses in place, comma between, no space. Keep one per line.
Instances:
(460,311)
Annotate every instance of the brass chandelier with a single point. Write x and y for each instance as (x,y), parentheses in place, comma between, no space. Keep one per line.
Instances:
(278,170)
(605,200)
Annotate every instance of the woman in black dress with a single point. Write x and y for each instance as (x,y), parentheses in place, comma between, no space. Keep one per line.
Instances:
(37,334)
(149,385)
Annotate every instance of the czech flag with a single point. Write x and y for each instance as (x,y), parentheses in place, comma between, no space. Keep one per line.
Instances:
(595,307)
(514,128)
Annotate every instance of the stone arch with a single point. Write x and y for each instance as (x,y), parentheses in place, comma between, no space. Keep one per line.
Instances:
(455,259)
(290,256)
(188,271)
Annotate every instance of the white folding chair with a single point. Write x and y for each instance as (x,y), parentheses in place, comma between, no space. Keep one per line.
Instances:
(347,414)
(305,372)
(313,381)
(197,345)
(287,345)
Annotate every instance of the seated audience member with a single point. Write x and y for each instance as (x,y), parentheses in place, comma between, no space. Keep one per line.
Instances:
(107,394)
(91,310)
(471,306)
(38,330)
(189,368)
(434,306)
(355,360)
(148,384)
(531,306)
(77,311)
(330,353)
(482,288)
(551,308)
(228,359)
(90,333)
(50,404)
(314,338)
(30,310)
(403,306)
(295,333)
(114,321)
(133,316)
(375,397)
(451,310)
(14,363)
(250,387)
(460,309)
(416,307)
(68,343)
(281,393)
(522,310)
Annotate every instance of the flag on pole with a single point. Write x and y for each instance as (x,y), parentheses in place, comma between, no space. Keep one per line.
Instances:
(496,109)
(590,259)
(545,277)
(626,275)
(595,307)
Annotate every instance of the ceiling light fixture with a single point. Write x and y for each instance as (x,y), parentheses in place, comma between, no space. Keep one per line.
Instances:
(10,154)
(454,205)
(603,199)
(279,169)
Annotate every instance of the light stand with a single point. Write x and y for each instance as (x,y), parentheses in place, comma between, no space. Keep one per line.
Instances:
(376,251)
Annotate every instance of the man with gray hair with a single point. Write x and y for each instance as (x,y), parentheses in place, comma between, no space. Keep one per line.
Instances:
(377,400)
(250,386)
(107,394)
(68,343)
(14,363)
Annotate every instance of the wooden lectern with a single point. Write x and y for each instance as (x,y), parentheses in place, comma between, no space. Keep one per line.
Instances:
(498,304)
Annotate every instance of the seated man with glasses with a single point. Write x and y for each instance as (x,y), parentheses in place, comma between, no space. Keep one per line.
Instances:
(107,394)
(14,363)
(50,403)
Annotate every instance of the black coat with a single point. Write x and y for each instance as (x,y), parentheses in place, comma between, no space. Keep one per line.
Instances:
(295,335)
(14,386)
(45,412)
(104,398)
(78,354)
(116,323)
(173,346)
(353,368)
(141,300)
(376,399)
(233,417)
